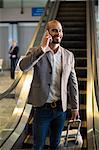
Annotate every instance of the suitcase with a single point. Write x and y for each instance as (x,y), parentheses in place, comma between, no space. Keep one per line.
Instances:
(71,139)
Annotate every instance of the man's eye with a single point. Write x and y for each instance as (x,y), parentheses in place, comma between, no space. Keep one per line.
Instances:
(54,30)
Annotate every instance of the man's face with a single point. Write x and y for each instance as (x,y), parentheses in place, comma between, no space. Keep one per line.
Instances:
(55,30)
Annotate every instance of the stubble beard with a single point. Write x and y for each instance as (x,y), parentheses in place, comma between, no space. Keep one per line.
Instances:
(56,41)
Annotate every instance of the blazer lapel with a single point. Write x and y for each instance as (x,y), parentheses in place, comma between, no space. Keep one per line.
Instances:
(48,55)
(65,59)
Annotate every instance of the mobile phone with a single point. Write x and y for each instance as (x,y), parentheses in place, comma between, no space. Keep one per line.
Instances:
(51,37)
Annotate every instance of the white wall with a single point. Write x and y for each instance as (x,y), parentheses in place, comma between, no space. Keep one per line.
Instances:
(25,34)
(4,43)
(26,3)
(14,14)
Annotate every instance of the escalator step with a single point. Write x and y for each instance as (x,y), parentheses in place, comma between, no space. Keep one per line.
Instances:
(80,61)
(80,14)
(28,143)
(83,114)
(71,9)
(74,32)
(82,85)
(74,44)
(73,3)
(81,72)
(82,98)
(79,52)
(82,92)
(76,37)
(72,18)
(73,24)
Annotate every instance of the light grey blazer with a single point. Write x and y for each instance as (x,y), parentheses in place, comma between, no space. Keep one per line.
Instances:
(42,78)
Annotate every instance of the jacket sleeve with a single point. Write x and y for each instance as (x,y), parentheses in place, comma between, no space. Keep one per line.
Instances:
(32,55)
(73,87)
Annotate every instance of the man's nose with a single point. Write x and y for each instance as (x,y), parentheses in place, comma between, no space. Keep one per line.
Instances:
(58,32)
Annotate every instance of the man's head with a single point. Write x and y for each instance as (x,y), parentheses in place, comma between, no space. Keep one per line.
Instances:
(54,28)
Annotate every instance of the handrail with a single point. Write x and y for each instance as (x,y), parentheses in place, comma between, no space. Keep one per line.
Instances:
(12,87)
(89,110)
(18,110)
(19,129)
(54,10)
(95,91)
(96,119)
(91,79)
(93,39)
(94,50)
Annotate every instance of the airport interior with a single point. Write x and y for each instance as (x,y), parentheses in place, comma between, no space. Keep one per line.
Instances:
(24,21)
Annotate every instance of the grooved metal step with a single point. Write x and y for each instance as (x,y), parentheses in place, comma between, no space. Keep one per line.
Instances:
(74,44)
(71,14)
(76,36)
(71,18)
(73,24)
(73,9)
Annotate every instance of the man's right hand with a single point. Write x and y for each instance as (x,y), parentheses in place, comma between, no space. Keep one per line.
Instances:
(46,39)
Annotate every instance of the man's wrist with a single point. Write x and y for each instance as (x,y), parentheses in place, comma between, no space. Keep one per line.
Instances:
(43,49)
(74,110)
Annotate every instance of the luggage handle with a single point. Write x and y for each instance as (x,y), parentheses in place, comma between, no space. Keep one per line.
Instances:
(70,122)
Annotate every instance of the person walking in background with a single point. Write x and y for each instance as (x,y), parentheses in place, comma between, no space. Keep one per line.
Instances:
(13,54)
(54,74)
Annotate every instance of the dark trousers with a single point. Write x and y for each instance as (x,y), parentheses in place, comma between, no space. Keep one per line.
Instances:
(46,118)
(13,66)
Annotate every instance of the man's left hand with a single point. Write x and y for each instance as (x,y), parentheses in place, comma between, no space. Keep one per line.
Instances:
(75,114)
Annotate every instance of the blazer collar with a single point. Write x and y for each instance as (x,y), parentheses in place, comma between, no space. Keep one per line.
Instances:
(49,57)
(64,56)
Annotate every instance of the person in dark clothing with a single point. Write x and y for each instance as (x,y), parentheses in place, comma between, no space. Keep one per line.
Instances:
(13,54)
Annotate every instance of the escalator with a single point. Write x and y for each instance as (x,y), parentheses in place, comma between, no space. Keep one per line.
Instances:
(72,15)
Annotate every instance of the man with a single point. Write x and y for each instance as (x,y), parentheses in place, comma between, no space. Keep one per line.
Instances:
(13,54)
(52,74)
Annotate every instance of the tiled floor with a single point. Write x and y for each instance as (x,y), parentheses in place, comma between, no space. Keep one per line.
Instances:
(6,110)
(7,104)
(5,81)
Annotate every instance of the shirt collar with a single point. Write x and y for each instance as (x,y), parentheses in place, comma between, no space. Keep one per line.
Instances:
(49,49)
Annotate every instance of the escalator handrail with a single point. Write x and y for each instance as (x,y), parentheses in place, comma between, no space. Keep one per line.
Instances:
(18,130)
(95,91)
(94,49)
(12,87)
(91,77)
(18,110)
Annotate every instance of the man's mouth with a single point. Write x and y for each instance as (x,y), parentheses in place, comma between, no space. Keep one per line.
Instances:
(56,40)
(56,37)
